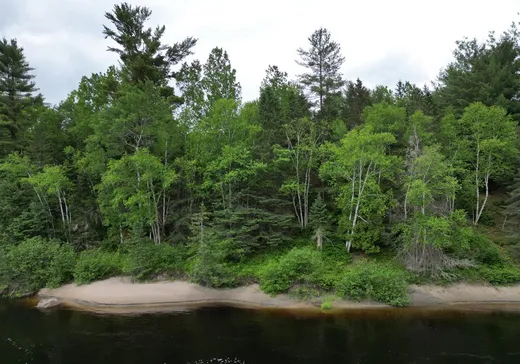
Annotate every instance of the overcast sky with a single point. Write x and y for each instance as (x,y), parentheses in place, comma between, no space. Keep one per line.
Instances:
(383,41)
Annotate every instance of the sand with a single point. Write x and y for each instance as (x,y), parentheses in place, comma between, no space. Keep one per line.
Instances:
(463,294)
(121,295)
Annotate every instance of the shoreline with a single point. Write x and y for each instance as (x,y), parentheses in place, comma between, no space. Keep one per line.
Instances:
(120,295)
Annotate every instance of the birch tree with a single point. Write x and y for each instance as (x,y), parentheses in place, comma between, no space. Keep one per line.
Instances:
(490,135)
(303,138)
(133,195)
(431,223)
(355,168)
(53,182)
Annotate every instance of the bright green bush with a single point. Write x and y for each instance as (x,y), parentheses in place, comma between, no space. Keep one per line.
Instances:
(148,261)
(34,264)
(299,266)
(326,305)
(94,265)
(498,276)
(375,281)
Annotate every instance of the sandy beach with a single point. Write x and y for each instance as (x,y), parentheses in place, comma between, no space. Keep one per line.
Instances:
(122,295)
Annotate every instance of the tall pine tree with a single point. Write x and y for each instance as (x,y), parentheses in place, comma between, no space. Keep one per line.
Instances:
(141,50)
(17,90)
(323,60)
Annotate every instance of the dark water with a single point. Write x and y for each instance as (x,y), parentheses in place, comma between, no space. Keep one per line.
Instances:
(225,335)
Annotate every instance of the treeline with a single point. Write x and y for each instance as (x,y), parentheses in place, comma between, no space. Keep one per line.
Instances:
(157,161)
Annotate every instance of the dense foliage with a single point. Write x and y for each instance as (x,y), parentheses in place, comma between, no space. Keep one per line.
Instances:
(157,168)
(377,282)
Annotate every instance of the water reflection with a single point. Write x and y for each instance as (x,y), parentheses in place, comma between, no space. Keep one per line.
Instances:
(224,335)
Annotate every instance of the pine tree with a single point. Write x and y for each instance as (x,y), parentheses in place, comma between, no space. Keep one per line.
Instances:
(357,97)
(279,103)
(319,221)
(511,211)
(141,50)
(487,72)
(323,60)
(17,90)
(413,98)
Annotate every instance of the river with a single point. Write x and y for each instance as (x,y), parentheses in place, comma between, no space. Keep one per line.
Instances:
(228,335)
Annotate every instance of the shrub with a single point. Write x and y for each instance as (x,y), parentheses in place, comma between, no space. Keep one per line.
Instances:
(212,273)
(379,282)
(485,251)
(326,305)
(95,265)
(304,292)
(505,275)
(209,267)
(149,261)
(34,264)
(298,266)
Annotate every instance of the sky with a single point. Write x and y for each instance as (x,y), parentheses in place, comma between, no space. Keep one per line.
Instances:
(382,41)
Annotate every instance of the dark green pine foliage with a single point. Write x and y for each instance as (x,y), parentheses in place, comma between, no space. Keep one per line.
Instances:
(141,50)
(511,214)
(250,230)
(323,61)
(254,220)
(320,221)
(279,102)
(413,98)
(357,97)
(17,97)
(21,215)
(332,108)
(488,72)
(47,139)
(208,268)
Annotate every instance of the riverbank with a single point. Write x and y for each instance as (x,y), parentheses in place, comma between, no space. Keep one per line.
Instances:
(120,295)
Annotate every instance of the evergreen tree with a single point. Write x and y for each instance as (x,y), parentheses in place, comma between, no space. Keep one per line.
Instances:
(141,50)
(279,103)
(17,90)
(320,221)
(323,60)
(487,72)
(219,80)
(382,94)
(357,97)
(413,98)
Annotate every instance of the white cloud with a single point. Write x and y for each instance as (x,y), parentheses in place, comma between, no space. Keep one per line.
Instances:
(382,41)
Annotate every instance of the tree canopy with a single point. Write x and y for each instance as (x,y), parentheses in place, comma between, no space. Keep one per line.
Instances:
(159,159)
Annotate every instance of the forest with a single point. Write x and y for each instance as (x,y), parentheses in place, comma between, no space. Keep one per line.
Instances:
(156,169)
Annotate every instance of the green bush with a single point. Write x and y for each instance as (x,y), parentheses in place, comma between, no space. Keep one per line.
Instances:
(94,265)
(326,305)
(374,281)
(212,273)
(487,219)
(304,292)
(210,268)
(34,264)
(498,276)
(148,261)
(485,251)
(299,266)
